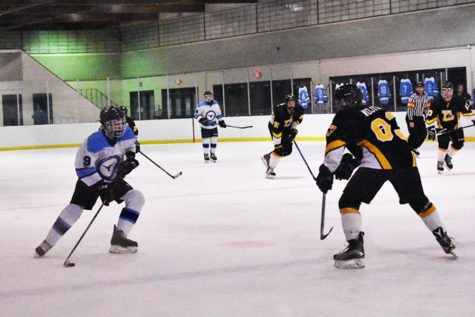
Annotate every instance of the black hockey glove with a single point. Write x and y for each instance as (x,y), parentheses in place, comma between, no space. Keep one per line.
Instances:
(106,192)
(292,135)
(137,147)
(203,121)
(222,124)
(347,164)
(127,166)
(431,133)
(324,179)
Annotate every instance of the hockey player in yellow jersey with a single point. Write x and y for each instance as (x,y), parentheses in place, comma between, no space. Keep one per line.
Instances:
(380,150)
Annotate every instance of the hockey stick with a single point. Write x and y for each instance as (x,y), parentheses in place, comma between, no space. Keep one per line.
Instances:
(67,262)
(172,176)
(324,198)
(322,221)
(444,131)
(245,127)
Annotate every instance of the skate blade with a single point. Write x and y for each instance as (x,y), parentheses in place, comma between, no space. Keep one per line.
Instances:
(206,161)
(116,249)
(350,264)
(440,172)
(213,161)
(270,176)
(455,256)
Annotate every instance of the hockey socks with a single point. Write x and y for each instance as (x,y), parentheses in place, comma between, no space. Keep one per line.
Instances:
(431,218)
(351,222)
(63,223)
(134,202)
(128,218)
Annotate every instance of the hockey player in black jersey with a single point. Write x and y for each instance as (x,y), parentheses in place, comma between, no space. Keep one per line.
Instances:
(446,110)
(374,136)
(132,125)
(283,127)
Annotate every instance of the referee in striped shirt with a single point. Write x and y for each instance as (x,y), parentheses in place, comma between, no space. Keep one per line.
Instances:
(417,107)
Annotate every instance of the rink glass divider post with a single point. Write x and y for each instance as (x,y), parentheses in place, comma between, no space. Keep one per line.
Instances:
(48,110)
(108,92)
(372,91)
(248,94)
(224,93)
(394,93)
(18,109)
(169,107)
(271,92)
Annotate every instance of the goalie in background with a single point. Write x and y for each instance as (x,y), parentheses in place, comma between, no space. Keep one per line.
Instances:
(283,125)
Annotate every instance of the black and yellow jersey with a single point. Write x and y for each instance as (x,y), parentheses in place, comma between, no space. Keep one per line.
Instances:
(282,122)
(447,113)
(374,132)
(131,124)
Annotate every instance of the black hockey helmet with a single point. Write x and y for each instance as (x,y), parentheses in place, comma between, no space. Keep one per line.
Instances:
(289,97)
(123,109)
(419,84)
(113,122)
(447,90)
(348,95)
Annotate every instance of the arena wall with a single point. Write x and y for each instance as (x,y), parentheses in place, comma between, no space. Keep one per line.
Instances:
(313,128)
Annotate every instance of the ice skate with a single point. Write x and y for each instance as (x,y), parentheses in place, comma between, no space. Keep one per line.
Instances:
(448,162)
(42,249)
(120,244)
(265,159)
(440,167)
(352,257)
(206,157)
(270,174)
(214,158)
(445,241)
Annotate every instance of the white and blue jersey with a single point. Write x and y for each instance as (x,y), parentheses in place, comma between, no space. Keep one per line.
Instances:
(384,92)
(405,90)
(431,88)
(364,91)
(304,98)
(98,160)
(321,97)
(211,112)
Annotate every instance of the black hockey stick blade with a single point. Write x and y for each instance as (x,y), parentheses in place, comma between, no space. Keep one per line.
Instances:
(236,127)
(322,221)
(68,263)
(324,236)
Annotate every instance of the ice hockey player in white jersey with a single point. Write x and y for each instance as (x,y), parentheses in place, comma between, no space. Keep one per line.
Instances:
(102,162)
(208,114)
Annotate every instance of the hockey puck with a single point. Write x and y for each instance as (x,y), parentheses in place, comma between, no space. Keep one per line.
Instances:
(68,263)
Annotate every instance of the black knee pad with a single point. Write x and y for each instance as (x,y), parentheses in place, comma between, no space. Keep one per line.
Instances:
(458,145)
(418,204)
(347,201)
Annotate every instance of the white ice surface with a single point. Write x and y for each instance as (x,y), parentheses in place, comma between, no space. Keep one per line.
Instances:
(223,241)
